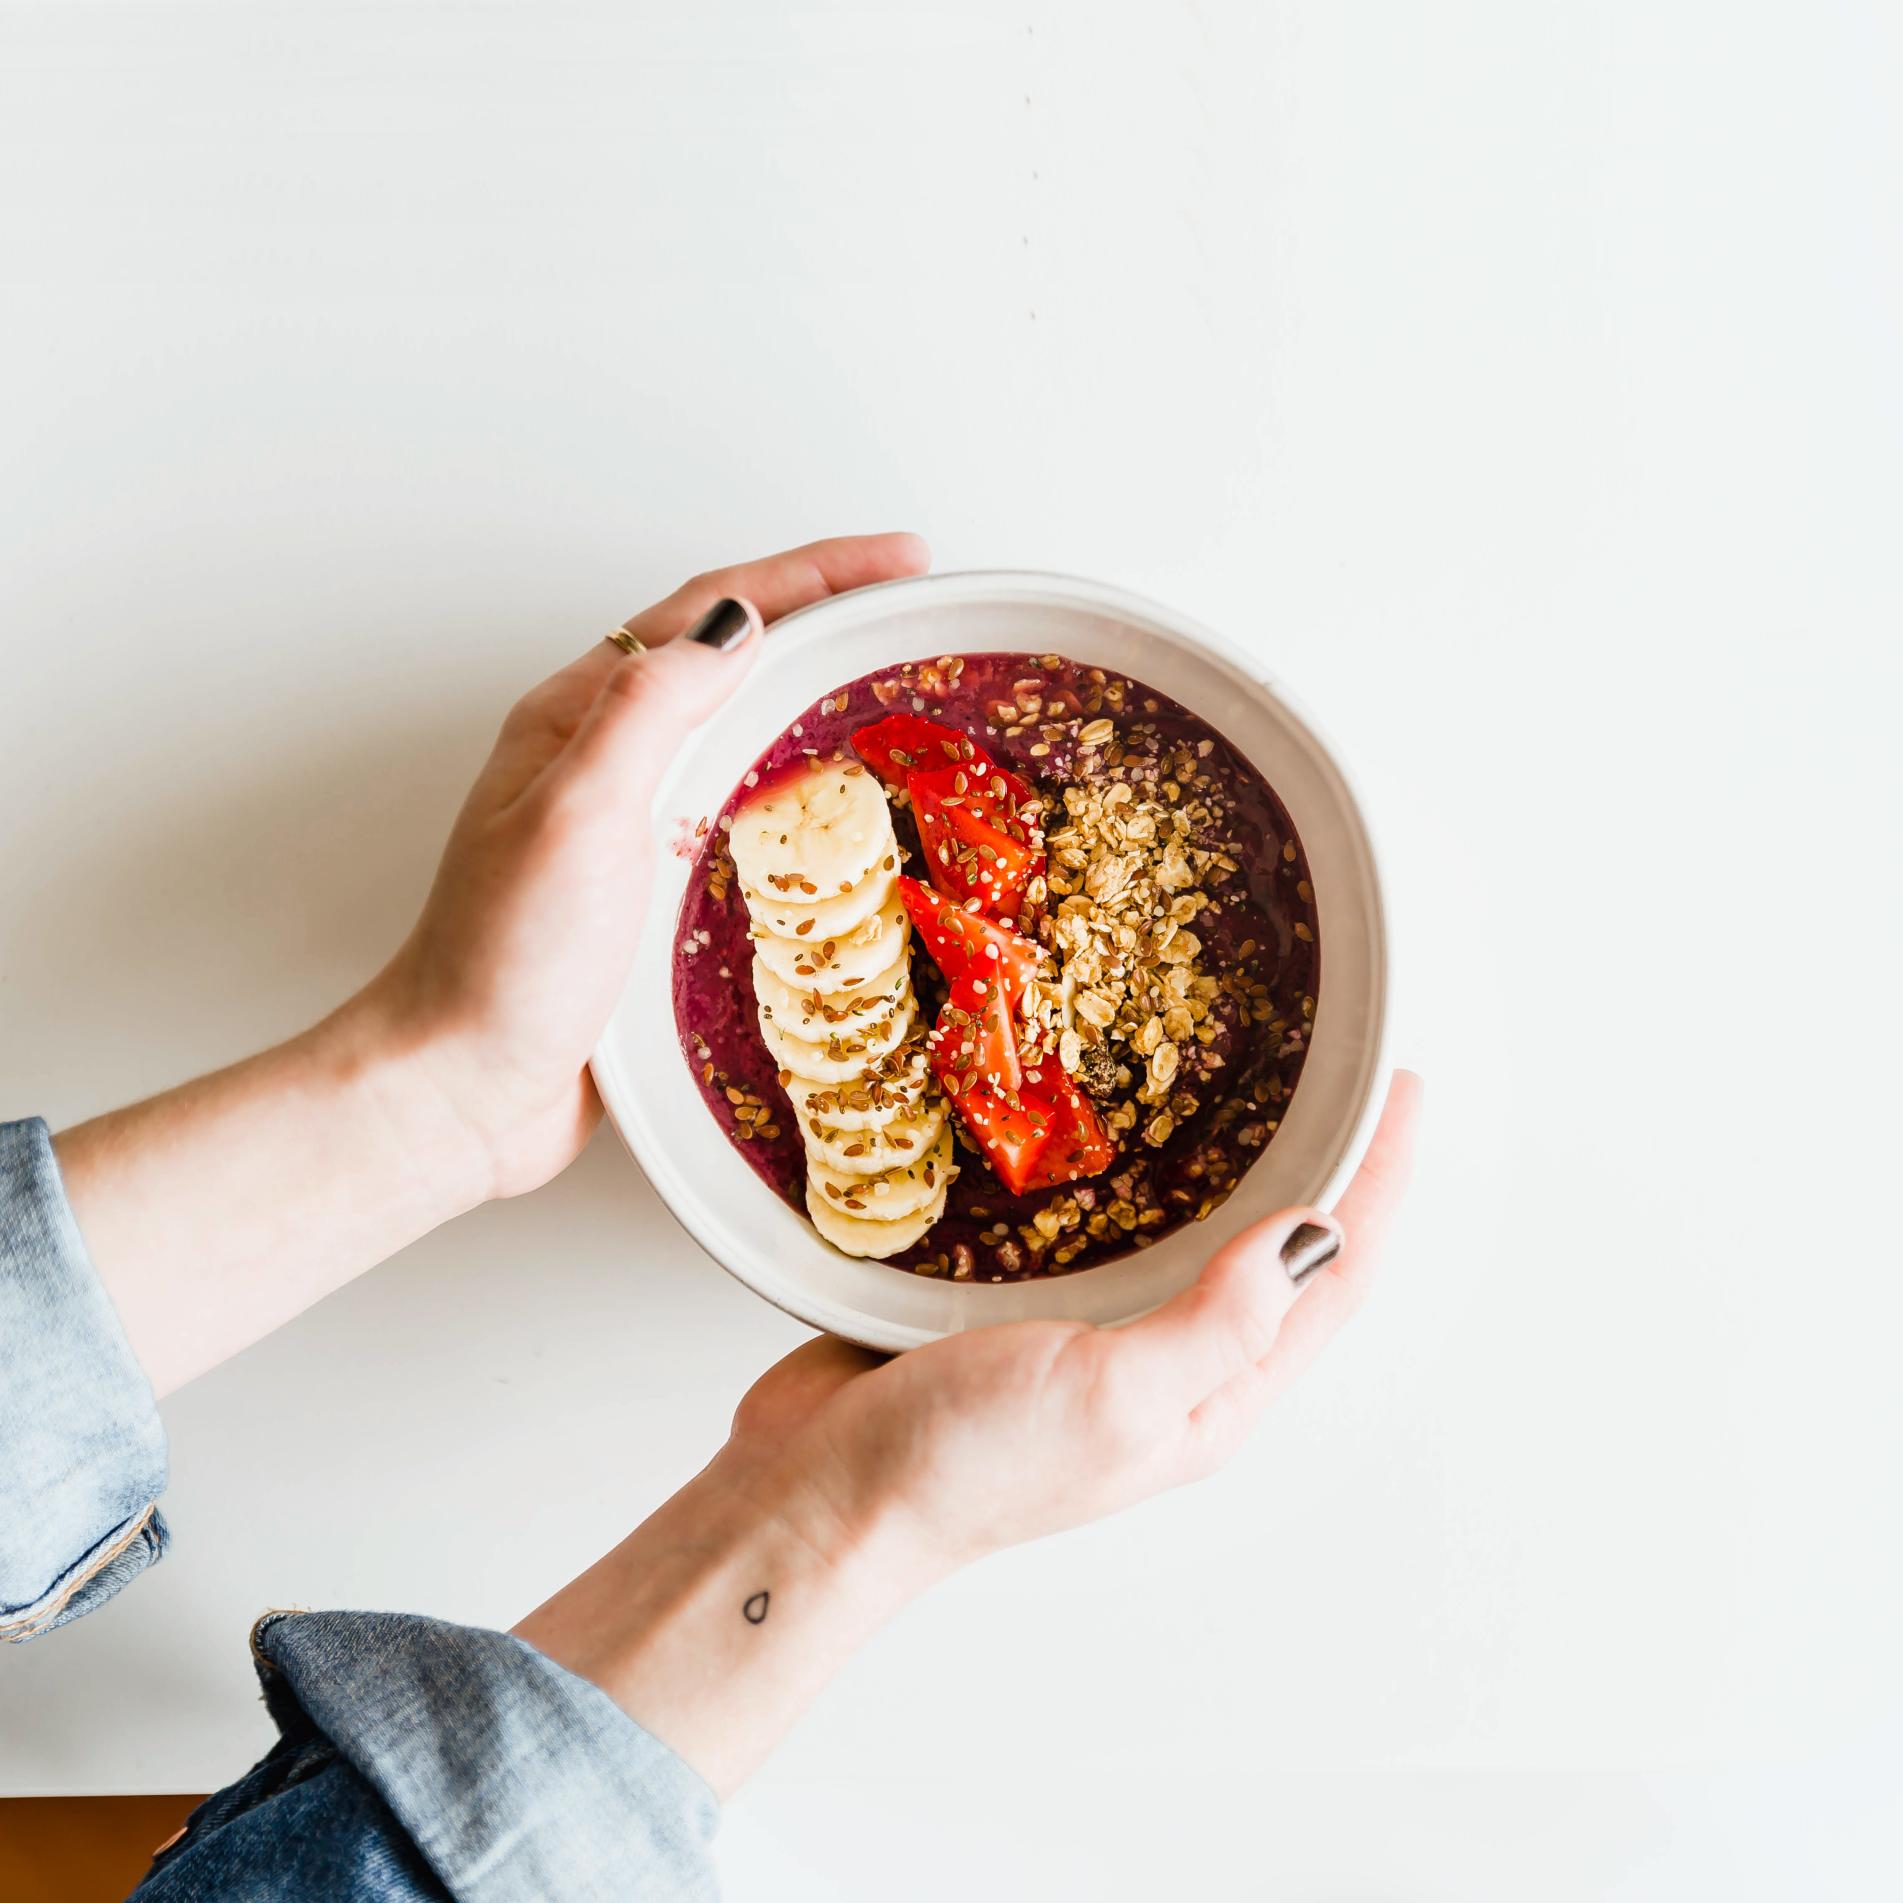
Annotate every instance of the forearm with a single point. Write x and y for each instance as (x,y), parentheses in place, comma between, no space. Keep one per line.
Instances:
(216,1212)
(718,1621)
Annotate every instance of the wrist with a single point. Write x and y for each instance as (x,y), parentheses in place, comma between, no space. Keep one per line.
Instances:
(501,1112)
(868,1541)
(718,1620)
(391,1076)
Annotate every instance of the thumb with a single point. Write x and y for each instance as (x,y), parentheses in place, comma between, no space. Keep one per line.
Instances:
(1227,1320)
(798,1383)
(649,703)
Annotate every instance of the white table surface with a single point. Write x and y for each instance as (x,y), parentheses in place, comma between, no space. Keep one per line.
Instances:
(1523,380)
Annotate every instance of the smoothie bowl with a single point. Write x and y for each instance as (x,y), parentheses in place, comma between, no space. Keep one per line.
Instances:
(1014,944)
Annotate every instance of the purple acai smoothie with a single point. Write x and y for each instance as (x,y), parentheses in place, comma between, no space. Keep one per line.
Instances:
(1179,927)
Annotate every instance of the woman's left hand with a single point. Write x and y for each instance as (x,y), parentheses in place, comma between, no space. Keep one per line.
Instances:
(461,1071)
(525,941)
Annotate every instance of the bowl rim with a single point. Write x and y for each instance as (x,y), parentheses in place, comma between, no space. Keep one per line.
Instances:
(1126,604)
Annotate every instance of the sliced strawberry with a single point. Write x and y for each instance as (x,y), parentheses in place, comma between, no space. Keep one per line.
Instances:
(894,746)
(1046,1135)
(1016,793)
(1012,1135)
(975,1039)
(997,849)
(940,845)
(959,940)
(1004,951)
(994,866)
(981,788)
(940,926)
(969,852)
(934,827)
(996,791)
(950,861)
(908,743)
(1038,1129)
(1076,1144)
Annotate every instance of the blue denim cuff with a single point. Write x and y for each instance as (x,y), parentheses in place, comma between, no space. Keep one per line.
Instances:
(82,1454)
(516,1780)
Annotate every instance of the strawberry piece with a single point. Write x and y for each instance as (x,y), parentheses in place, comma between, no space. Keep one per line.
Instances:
(1038,1130)
(903,744)
(1076,1144)
(972,850)
(959,940)
(1005,793)
(997,868)
(976,1039)
(1046,1135)
(893,747)
(1011,1134)
(995,796)
(935,835)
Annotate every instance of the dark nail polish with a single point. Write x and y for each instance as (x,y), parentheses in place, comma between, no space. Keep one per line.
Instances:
(725,625)
(1309,1247)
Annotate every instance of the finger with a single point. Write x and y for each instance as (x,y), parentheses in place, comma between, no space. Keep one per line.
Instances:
(1330,1296)
(637,696)
(1368,1205)
(646,707)
(795,578)
(1228,1319)
(775,584)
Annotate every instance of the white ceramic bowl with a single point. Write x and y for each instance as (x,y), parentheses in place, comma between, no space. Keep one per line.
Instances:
(656,1104)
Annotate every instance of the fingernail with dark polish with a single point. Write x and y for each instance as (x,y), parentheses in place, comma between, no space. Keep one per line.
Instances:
(725,625)
(1309,1247)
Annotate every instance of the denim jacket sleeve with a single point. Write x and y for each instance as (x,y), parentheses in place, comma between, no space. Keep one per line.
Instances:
(421,1760)
(82,1455)
(417,1759)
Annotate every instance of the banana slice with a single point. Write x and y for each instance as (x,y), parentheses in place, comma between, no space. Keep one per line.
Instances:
(812,1015)
(826,827)
(869,1152)
(818,864)
(848,1054)
(793,915)
(902,1088)
(900,1191)
(853,1235)
(853,961)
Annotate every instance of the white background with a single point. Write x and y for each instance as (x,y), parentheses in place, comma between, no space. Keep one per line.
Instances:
(1523,380)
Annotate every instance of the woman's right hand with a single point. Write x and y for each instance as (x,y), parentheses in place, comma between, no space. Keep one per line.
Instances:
(850,1482)
(1001,1435)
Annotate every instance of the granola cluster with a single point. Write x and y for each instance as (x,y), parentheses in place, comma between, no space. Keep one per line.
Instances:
(1142,844)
